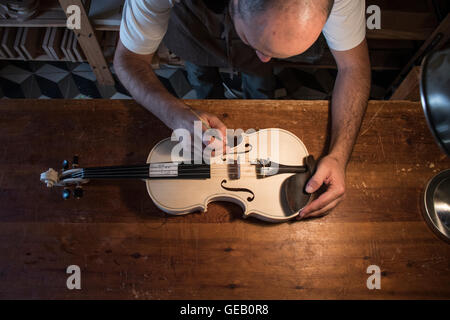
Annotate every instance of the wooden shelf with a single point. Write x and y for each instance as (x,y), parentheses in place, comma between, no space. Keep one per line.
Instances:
(101,27)
(42,57)
(404,27)
(76,46)
(396,24)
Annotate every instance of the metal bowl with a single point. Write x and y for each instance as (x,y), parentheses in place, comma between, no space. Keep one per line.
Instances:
(435,96)
(437,204)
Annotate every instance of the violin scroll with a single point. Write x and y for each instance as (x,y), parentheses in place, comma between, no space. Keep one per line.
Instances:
(65,178)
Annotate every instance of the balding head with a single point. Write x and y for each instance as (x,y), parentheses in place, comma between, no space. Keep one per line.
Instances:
(279,29)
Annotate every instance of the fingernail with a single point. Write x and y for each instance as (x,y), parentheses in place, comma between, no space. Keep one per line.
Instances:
(309,188)
(301,214)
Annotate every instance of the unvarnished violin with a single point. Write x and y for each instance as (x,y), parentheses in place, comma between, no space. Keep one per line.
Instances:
(265,173)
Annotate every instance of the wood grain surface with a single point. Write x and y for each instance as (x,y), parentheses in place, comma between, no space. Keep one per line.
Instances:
(127,248)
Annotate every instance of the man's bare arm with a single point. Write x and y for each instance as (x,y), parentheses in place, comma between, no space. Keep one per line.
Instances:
(348,105)
(349,101)
(136,74)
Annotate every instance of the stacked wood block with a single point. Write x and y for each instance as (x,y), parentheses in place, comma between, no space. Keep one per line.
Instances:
(34,43)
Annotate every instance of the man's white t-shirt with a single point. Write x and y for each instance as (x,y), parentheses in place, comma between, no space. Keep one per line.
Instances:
(144,24)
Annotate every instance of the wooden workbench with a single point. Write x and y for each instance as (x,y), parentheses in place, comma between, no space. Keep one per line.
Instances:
(127,248)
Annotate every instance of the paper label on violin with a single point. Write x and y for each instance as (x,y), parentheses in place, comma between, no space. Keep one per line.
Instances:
(163,170)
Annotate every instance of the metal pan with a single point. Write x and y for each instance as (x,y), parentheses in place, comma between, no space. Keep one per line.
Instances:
(435,96)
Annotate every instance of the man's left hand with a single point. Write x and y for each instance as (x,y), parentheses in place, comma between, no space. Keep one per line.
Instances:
(331,173)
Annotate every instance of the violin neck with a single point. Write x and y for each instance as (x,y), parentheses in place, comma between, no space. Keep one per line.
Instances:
(168,170)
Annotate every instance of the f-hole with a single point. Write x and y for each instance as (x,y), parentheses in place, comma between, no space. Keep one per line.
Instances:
(249,199)
(248,147)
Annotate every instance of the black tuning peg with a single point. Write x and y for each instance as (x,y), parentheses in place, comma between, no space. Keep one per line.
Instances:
(66,194)
(78,192)
(75,162)
(65,164)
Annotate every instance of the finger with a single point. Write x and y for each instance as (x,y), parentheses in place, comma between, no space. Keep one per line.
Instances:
(216,123)
(219,125)
(217,145)
(316,181)
(223,138)
(329,196)
(213,137)
(324,210)
(202,117)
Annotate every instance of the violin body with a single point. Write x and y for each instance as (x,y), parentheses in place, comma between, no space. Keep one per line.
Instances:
(263,198)
(265,173)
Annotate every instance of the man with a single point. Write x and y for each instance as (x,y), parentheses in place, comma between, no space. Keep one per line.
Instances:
(265,29)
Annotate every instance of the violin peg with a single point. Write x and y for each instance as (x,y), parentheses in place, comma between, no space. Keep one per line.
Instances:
(75,161)
(66,194)
(78,192)
(65,164)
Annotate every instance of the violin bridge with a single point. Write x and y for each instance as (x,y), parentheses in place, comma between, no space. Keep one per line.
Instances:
(234,170)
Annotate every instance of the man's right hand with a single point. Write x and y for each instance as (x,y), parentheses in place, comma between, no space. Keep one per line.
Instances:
(185,118)
(135,73)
